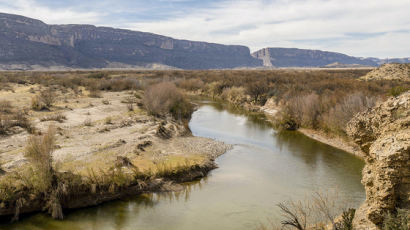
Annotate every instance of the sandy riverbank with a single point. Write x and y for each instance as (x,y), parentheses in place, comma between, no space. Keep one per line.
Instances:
(105,150)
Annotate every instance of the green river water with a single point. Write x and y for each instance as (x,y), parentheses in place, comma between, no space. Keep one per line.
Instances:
(263,168)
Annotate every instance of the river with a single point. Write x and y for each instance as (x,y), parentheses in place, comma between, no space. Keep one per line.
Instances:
(264,168)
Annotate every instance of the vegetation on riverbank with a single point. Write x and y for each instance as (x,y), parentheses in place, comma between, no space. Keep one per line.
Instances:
(152,107)
(109,137)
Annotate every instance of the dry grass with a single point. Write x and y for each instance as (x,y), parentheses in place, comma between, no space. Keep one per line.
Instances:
(59,117)
(39,151)
(5,107)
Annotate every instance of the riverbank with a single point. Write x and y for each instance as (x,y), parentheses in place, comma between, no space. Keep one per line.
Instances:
(334,141)
(271,109)
(106,148)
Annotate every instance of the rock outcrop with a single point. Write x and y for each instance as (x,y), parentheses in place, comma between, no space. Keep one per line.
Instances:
(383,133)
(391,71)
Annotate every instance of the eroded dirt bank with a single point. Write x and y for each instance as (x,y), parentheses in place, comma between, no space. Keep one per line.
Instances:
(106,148)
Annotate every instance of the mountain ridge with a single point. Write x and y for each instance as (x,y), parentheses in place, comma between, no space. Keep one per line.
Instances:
(295,57)
(29,41)
(27,44)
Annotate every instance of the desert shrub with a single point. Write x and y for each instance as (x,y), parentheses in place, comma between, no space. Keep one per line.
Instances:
(36,103)
(5,106)
(191,84)
(48,97)
(257,90)
(235,95)
(39,151)
(347,220)
(17,119)
(5,124)
(303,110)
(338,116)
(59,117)
(44,100)
(118,84)
(315,212)
(98,75)
(398,221)
(396,91)
(215,88)
(95,93)
(164,98)
(295,214)
(21,120)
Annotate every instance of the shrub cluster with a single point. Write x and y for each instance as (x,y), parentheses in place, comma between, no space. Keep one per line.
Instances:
(43,101)
(11,117)
(318,99)
(164,98)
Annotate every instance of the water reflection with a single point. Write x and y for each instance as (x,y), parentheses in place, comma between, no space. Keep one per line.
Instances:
(264,168)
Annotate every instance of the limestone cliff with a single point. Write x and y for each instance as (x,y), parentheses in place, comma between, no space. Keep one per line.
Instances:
(26,43)
(383,133)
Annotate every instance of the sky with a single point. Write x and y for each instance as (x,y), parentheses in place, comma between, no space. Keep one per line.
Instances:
(363,28)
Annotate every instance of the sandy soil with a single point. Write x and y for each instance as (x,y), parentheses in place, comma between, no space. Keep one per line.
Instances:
(334,141)
(97,131)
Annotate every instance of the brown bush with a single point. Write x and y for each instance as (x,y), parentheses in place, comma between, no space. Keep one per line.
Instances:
(21,120)
(17,119)
(257,90)
(59,117)
(305,110)
(95,93)
(164,98)
(338,116)
(5,106)
(191,84)
(44,100)
(235,95)
(48,97)
(39,151)
(5,124)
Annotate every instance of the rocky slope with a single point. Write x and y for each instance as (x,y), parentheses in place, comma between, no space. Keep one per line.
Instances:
(27,43)
(393,71)
(383,133)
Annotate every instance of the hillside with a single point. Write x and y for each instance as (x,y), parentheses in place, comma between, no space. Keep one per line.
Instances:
(293,57)
(27,43)
(393,71)
(30,44)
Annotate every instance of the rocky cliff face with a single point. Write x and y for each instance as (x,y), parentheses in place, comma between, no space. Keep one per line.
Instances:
(383,133)
(27,42)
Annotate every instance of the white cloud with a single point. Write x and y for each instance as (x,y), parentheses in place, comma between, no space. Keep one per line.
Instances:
(376,28)
(260,23)
(32,9)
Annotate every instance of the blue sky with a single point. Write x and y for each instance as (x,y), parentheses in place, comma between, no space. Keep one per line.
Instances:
(368,28)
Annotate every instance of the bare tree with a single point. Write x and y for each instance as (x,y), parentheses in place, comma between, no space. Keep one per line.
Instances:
(296,214)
